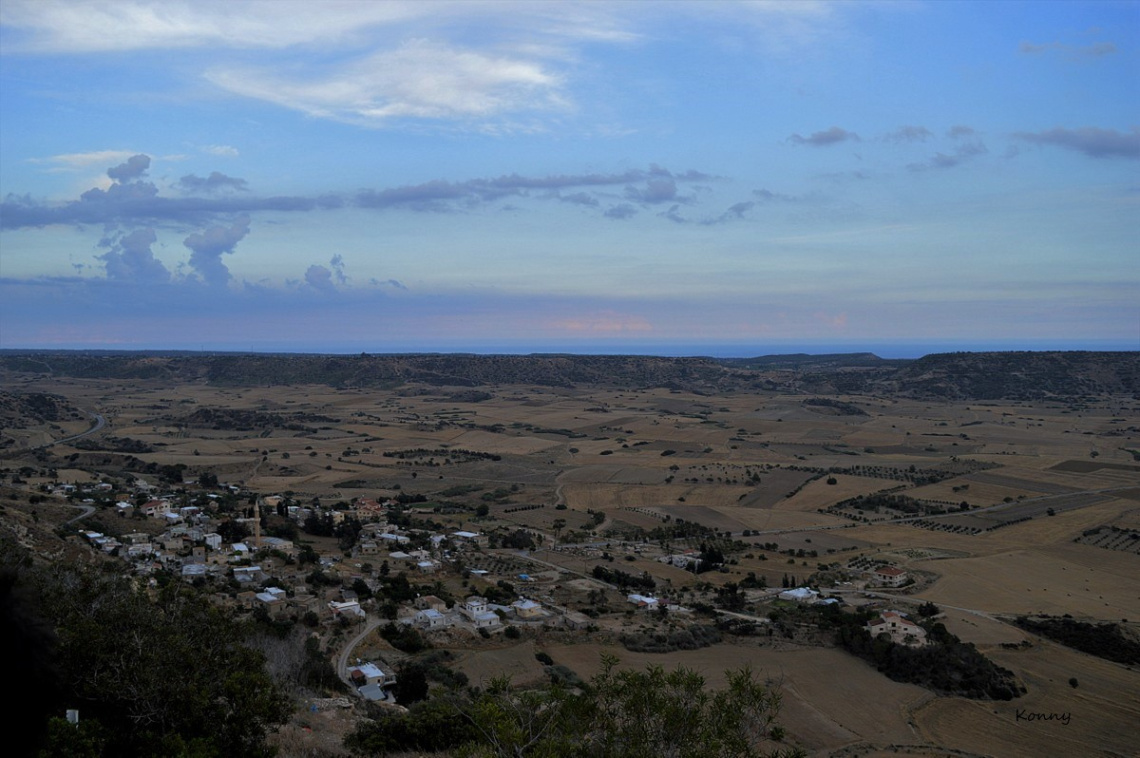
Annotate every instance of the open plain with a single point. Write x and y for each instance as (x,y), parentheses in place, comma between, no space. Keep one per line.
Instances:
(1028,507)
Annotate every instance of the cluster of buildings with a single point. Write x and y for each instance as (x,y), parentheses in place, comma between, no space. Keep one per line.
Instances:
(263,572)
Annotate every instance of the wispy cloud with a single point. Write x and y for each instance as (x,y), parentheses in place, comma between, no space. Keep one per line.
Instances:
(132,200)
(222,151)
(960,155)
(215,182)
(909,134)
(1093,142)
(80,161)
(419,80)
(832,136)
(92,27)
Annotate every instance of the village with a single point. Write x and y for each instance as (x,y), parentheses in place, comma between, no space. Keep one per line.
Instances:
(389,567)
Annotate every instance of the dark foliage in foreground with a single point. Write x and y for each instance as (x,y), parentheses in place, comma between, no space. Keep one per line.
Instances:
(152,673)
(618,714)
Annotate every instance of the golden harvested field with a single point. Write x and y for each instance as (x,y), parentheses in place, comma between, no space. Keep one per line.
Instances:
(825,705)
(1041,580)
(819,494)
(1102,709)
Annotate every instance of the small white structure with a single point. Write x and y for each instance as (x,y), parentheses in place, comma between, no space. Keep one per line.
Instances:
(349,609)
(800,595)
(478,613)
(643,601)
(370,673)
(430,618)
(528,609)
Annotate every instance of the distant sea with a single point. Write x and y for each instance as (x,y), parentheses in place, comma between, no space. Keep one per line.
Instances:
(883,349)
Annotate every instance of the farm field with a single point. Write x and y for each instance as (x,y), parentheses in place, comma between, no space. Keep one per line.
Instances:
(1050,493)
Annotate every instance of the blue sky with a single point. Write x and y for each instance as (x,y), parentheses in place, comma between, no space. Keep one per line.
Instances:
(714,178)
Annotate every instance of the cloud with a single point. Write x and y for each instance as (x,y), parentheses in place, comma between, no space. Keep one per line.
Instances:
(337,264)
(660,185)
(909,134)
(206,200)
(132,168)
(130,259)
(1093,142)
(674,215)
(77,161)
(580,198)
(657,190)
(388,283)
(961,154)
(215,182)
(141,25)
(1096,50)
(320,278)
(621,212)
(419,80)
(222,151)
(959,131)
(207,248)
(767,196)
(134,203)
(831,136)
(735,211)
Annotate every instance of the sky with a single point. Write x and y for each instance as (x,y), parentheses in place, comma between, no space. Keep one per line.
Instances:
(702,178)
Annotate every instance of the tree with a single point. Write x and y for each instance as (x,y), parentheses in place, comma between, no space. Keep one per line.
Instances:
(411,684)
(164,675)
(629,714)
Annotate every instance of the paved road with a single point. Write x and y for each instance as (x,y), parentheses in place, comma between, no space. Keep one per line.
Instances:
(346,653)
(87,510)
(98,422)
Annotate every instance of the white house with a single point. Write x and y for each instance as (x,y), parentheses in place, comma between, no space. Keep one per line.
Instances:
(430,618)
(478,613)
(890,576)
(370,673)
(899,628)
(155,508)
(528,609)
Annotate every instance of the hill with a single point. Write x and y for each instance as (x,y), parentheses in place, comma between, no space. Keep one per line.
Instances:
(957,376)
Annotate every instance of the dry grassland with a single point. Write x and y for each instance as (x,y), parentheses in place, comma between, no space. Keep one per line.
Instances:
(832,700)
(1043,580)
(1105,701)
(820,494)
(517,663)
(825,703)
